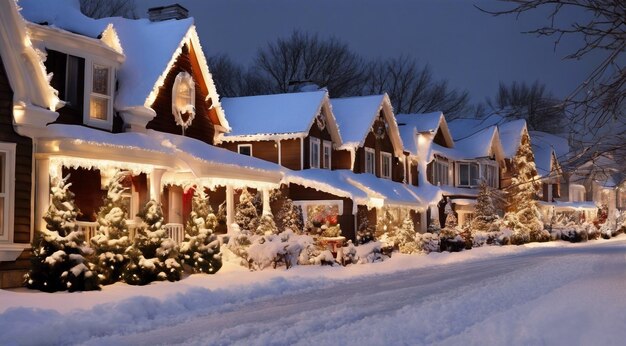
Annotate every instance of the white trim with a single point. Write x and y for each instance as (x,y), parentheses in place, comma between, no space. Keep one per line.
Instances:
(314,141)
(90,63)
(8,149)
(280,154)
(239,146)
(327,145)
(304,204)
(373,152)
(301,153)
(385,155)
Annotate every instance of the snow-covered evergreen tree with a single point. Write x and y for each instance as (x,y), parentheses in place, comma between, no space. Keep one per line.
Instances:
(112,238)
(405,237)
(485,212)
(435,225)
(153,256)
(365,231)
(246,215)
(289,216)
(385,223)
(450,236)
(201,248)
(523,215)
(267,225)
(58,262)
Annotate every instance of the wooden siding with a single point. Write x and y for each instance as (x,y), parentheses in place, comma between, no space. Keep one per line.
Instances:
(264,150)
(23,162)
(88,196)
(301,193)
(324,136)
(202,127)
(290,153)
(342,159)
(414,175)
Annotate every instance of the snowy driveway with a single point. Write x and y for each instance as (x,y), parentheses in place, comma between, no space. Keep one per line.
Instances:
(569,295)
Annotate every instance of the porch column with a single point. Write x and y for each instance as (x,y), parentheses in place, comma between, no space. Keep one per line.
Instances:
(230,206)
(155,184)
(266,201)
(42,190)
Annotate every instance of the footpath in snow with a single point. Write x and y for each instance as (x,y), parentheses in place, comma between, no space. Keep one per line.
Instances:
(538,293)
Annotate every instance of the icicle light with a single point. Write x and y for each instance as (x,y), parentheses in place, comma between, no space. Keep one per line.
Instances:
(103,165)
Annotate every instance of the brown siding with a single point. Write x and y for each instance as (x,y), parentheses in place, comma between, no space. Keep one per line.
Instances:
(290,153)
(23,161)
(202,126)
(382,144)
(264,150)
(301,193)
(88,196)
(414,174)
(341,159)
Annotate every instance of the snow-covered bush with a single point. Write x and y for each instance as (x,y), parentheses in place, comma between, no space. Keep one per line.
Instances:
(349,254)
(201,250)
(153,256)
(450,238)
(289,216)
(266,225)
(428,242)
(112,238)
(405,237)
(246,215)
(58,262)
(481,238)
(370,252)
(365,231)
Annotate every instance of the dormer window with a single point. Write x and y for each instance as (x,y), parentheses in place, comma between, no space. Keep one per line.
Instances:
(315,152)
(99,81)
(184,100)
(370,161)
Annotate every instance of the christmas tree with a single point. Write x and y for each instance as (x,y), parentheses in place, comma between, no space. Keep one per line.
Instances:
(485,212)
(112,238)
(523,216)
(58,262)
(365,232)
(385,223)
(153,256)
(450,238)
(201,248)
(267,226)
(290,215)
(405,237)
(246,215)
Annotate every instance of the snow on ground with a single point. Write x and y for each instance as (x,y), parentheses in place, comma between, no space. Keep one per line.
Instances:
(535,294)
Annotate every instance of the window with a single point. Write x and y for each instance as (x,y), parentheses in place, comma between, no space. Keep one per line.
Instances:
(100,98)
(7,188)
(245,149)
(314,150)
(385,164)
(328,150)
(577,193)
(439,173)
(468,174)
(370,161)
(490,174)
(73,71)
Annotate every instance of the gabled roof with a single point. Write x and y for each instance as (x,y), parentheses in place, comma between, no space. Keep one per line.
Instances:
(545,147)
(426,124)
(264,117)
(465,127)
(356,115)
(150,48)
(511,136)
(483,143)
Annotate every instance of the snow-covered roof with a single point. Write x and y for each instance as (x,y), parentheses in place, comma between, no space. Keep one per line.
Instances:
(278,115)
(356,115)
(150,48)
(545,150)
(465,127)
(561,206)
(426,122)
(393,193)
(333,182)
(511,136)
(483,143)
(427,126)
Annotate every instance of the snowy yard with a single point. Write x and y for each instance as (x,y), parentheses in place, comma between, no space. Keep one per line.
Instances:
(549,293)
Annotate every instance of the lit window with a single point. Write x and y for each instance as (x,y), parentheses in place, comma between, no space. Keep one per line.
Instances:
(468,174)
(315,152)
(328,149)
(245,149)
(7,185)
(439,173)
(385,159)
(100,98)
(370,160)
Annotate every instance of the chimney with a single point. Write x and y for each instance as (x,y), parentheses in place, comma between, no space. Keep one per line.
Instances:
(175,11)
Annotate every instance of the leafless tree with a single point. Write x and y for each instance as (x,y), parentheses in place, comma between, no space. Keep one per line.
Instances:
(541,110)
(306,58)
(413,89)
(597,106)
(109,8)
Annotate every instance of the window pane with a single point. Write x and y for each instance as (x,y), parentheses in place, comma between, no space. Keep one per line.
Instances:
(463,174)
(101,80)
(2,171)
(98,107)
(245,150)
(2,215)
(474,174)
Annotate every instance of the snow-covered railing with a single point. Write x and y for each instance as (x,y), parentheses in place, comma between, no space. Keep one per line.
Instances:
(89,229)
(176,231)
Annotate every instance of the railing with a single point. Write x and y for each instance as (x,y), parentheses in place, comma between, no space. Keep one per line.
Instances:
(176,231)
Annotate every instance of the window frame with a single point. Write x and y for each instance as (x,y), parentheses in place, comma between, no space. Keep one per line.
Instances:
(239,146)
(314,157)
(327,163)
(8,193)
(470,182)
(438,167)
(372,152)
(385,156)
(90,65)
(496,176)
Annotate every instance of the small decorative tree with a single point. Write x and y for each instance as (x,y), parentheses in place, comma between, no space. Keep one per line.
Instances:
(246,215)
(153,256)
(385,223)
(434,226)
(267,226)
(485,212)
(112,238)
(365,231)
(450,238)
(405,237)
(290,215)
(201,248)
(58,262)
